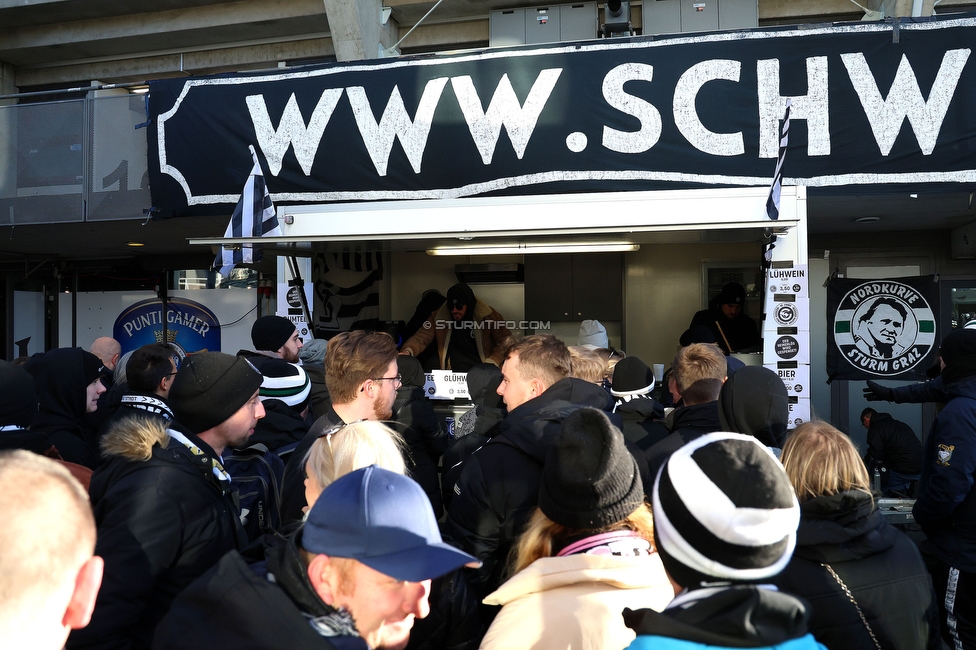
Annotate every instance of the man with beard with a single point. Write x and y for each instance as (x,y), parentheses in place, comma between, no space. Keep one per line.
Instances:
(362,377)
(275,336)
(467,331)
(356,576)
(732,328)
(879,329)
(498,487)
(165,508)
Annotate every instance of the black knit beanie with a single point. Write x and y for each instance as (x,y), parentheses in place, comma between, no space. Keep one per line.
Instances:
(724,511)
(732,294)
(631,376)
(589,479)
(18,399)
(271,332)
(92,366)
(210,387)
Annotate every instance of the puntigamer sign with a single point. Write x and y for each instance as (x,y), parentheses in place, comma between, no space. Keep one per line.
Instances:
(872,103)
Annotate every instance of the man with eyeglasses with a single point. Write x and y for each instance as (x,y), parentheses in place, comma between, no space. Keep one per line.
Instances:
(149,374)
(362,377)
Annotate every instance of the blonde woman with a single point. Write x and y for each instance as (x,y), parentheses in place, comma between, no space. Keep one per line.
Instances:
(865,581)
(346,448)
(587,551)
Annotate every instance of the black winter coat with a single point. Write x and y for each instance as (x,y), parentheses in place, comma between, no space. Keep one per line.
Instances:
(236,606)
(163,519)
(686,423)
(280,426)
(499,486)
(454,621)
(293,482)
(893,442)
(639,416)
(458,451)
(880,566)
(425,439)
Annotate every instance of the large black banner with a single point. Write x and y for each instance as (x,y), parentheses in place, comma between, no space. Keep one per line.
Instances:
(872,104)
(882,329)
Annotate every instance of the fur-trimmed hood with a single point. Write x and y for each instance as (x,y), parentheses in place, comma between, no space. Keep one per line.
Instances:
(134,437)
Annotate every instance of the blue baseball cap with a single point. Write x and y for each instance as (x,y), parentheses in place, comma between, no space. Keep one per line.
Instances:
(384,520)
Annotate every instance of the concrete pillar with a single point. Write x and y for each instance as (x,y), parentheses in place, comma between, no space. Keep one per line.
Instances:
(357,30)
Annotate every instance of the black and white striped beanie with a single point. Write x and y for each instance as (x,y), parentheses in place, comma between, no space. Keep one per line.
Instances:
(286,382)
(724,511)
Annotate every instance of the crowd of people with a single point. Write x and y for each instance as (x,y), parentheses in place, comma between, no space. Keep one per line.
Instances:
(568,508)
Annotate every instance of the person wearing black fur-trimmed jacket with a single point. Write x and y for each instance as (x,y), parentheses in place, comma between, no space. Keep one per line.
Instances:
(165,508)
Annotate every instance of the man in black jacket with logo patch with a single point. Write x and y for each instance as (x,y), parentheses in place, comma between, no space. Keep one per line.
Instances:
(499,485)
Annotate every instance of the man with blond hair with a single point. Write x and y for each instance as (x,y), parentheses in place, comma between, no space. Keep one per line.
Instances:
(362,377)
(48,575)
(698,372)
(498,487)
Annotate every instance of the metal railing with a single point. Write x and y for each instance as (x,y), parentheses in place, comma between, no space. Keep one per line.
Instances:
(74,160)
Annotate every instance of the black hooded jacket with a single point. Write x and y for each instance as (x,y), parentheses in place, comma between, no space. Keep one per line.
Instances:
(754,401)
(499,486)
(739,616)
(881,567)
(685,423)
(62,377)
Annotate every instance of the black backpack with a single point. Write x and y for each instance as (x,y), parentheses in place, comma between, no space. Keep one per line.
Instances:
(257,472)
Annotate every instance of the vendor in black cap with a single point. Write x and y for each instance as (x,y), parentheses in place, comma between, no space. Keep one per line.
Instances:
(734,331)
(467,330)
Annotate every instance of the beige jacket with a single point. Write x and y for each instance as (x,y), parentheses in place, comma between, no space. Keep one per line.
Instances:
(575,602)
(491,344)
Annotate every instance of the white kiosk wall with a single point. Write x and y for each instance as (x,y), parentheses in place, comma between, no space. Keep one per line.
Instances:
(235,309)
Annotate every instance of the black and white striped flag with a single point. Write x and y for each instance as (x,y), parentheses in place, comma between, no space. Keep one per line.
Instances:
(772,203)
(254,216)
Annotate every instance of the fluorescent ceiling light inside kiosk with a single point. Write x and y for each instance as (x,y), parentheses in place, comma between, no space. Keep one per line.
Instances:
(525,249)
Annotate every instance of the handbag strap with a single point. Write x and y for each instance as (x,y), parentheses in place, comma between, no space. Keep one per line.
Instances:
(853,602)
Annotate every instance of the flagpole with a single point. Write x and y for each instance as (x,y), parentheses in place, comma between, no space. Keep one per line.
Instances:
(772,208)
(298,282)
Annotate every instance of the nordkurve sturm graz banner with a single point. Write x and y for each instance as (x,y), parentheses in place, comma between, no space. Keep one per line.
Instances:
(882,329)
(877,104)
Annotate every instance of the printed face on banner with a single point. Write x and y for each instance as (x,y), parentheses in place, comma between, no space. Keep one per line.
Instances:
(885,327)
